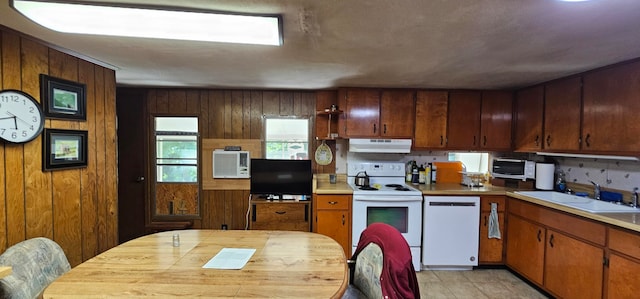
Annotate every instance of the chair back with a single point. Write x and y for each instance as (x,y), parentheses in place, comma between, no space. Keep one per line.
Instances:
(35,264)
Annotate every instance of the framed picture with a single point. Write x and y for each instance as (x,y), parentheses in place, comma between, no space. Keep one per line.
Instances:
(64,149)
(62,98)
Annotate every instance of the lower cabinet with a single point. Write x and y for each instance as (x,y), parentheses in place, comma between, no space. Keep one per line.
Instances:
(559,252)
(280,215)
(491,249)
(332,214)
(624,264)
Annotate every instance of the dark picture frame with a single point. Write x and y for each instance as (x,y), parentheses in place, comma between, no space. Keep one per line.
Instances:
(64,149)
(63,99)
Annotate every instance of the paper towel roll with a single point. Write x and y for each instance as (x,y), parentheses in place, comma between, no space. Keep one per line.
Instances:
(544,176)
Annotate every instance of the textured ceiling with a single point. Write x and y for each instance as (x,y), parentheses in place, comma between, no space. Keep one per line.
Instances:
(484,44)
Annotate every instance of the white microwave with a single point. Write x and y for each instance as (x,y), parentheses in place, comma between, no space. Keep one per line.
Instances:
(231,164)
(513,169)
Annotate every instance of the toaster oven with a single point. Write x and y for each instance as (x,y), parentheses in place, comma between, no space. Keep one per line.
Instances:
(513,169)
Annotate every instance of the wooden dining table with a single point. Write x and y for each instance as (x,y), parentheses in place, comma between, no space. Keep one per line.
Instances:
(286,264)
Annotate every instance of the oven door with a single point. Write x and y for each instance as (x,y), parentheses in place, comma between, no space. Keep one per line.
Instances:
(401,212)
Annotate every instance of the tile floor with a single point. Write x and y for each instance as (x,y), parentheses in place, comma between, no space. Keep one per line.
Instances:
(476,284)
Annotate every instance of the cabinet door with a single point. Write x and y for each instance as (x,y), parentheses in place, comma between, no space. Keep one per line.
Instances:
(397,113)
(525,248)
(529,109)
(335,224)
(611,108)
(431,119)
(562,107)
(622,281)
(495,127)
(464,120)
(490,250)
(573,269)
(362,112)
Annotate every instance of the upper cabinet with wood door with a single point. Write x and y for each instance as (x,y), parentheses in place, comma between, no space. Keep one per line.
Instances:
(496,116)
(562,107)
(431,119)
(528,113)
(464,120)
(611,101)
(375,113)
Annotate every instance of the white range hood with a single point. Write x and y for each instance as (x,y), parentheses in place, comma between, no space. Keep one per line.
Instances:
(362,145)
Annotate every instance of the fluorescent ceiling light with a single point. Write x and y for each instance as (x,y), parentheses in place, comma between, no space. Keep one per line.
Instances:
(154,22)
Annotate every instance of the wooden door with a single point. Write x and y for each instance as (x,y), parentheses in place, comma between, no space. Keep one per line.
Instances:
(525,248)
(611,102)
(622,278)
(431,119)
(562,114)
(397,113)
(362,112)
(496,116)
(529,109)
(573,269)
(333,219)
(132,184)
(464,120)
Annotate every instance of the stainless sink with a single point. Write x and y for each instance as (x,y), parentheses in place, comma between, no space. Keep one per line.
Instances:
(578,202)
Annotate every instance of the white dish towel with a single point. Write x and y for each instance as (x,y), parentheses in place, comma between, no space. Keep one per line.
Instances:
(494,226)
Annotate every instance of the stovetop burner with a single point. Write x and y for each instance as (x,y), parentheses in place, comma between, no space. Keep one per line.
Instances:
(367,188)
(398,187)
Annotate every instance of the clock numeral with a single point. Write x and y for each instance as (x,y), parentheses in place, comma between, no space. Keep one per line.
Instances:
(14,135)
(31,109)
(24,134)
(34,119)
(2,131)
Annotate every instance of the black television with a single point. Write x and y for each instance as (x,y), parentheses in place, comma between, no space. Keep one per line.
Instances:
(275,178)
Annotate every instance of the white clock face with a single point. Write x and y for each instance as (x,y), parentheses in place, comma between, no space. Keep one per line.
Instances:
(21,118)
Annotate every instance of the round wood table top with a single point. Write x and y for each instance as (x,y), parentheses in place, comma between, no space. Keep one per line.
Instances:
(285,264)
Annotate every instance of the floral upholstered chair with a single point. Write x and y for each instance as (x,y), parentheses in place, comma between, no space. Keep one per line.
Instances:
(35,264)
(365,276)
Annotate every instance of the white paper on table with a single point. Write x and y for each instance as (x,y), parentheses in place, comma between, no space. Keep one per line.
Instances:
(230,258)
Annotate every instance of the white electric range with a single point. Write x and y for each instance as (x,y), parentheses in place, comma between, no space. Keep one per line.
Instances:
(388,199)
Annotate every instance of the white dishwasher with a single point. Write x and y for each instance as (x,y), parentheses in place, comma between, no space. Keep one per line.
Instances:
(451,226)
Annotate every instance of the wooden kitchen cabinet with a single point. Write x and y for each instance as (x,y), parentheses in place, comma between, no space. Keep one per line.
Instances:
(560,252)
(464,120)
(562,114)
(397,113)
(529,109)
(431,119)
(624,264)
(333,218)
(610,109)
(525,248)
(378,113)
(491,249)
(280,215)
(496,120)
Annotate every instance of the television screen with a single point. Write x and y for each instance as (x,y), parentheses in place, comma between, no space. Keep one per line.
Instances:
(281,177)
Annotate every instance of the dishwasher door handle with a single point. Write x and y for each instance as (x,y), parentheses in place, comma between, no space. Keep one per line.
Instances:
(451,204)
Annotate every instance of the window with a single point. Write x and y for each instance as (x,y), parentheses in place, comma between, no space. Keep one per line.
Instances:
(474,162)
(287,138)
(176,149)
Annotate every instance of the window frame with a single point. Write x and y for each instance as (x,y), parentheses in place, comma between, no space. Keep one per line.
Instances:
(309,120)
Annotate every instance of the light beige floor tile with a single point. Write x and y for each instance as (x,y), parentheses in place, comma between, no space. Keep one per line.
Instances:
(451,276)
(465,290)
(495,290)
(484,275)
(429,276)
(435,290)
(523,290)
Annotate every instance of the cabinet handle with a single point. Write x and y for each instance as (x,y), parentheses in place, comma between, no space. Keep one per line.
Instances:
(484,141)
(587,140)
(539,235)
(281,212)
(342,219)
(474,140)
(385,128)
(485,220)
(374,128)
(140,179)
(441,140)
(551,240)
(333,202)
(537,141)
(548,140)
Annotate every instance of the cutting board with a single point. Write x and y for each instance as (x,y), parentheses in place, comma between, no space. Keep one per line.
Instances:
(448,172)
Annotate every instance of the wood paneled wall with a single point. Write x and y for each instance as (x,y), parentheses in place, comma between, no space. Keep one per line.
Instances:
(229,114)
(77,208)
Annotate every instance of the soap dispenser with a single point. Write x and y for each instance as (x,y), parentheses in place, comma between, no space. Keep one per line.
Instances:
(561,183)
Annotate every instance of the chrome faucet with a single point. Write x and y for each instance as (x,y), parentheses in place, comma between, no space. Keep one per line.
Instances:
(634,198)
(596,191)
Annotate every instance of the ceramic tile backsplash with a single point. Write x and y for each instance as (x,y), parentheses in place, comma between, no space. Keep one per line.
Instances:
(612,174)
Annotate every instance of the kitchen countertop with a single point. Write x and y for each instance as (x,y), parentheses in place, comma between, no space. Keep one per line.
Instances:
(629,221)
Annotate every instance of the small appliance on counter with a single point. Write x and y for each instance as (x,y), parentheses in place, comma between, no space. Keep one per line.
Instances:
(544,176)
(472,179)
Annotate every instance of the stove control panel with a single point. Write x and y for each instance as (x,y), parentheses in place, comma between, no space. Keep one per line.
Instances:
(377,168)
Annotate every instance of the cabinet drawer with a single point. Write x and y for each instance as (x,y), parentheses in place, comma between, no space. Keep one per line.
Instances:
(485,202)
(333,202)
(280,216)
(624,242)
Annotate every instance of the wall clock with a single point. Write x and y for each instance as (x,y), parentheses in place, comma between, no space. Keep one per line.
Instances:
(21,118)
